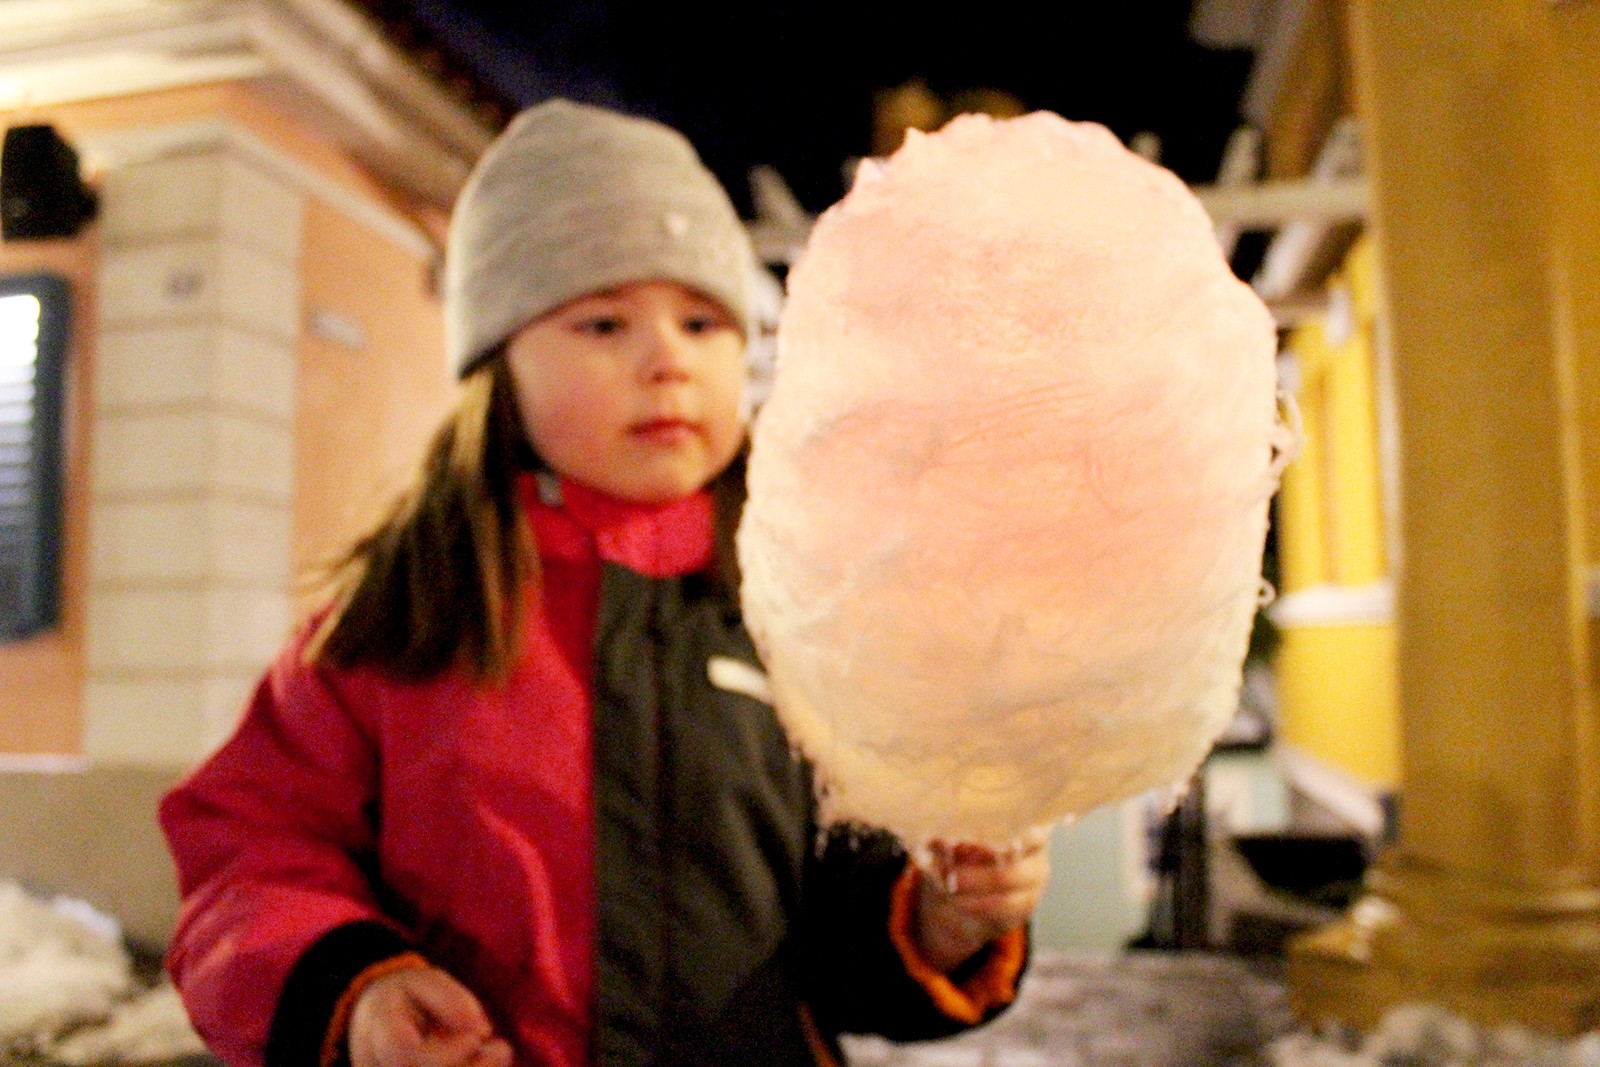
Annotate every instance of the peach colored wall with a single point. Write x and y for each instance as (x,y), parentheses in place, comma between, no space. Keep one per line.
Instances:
(364,414)
(41,678)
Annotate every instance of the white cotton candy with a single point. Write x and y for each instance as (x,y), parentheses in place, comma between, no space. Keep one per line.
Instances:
(1007,498)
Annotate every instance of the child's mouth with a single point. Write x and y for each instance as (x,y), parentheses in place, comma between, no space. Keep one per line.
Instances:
(664,431)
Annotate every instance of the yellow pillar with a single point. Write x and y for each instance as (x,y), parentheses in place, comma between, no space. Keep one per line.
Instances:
(1481,132)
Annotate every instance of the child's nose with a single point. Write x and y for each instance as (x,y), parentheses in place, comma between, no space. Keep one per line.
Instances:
(669,353)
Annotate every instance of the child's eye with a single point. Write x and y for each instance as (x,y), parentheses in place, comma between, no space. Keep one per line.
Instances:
(600,325)
(702,324)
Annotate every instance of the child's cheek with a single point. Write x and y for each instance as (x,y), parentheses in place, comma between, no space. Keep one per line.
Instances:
(577,422)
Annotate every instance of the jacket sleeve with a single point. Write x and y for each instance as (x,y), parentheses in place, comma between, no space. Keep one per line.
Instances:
(855,978)
(274,838)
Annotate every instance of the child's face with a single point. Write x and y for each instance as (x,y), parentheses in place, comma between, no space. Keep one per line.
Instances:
(633,391)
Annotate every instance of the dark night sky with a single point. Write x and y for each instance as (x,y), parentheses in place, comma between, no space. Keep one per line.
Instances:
(791,84)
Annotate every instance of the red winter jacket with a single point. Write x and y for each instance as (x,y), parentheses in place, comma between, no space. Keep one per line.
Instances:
(353,817)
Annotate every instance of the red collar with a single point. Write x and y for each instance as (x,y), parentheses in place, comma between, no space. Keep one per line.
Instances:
(572,521)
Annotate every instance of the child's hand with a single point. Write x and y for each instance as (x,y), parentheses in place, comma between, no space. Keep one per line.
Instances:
(971,894)
(422,1018)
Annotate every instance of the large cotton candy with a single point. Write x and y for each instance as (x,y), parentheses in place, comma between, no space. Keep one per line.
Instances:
(1008,495)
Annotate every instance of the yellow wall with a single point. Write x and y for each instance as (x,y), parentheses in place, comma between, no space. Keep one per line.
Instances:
(1330,511)
(1336,678)
(1337,698)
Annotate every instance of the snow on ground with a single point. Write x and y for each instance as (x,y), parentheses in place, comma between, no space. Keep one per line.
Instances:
(152,1026)
(1134,1009)
(1421,1035)
(1163,1009)
(68,993)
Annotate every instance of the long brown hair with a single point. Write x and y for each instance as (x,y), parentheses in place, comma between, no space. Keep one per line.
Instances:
(439,584)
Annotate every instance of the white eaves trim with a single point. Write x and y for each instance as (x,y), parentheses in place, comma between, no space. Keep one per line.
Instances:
(319,53)
(42,29)
(42,763)
(377,126)
(367,52)
(1365,605)
(1269,205)
(1334,605)
(59,54)
(124,147)
(779,232)
(1286,267)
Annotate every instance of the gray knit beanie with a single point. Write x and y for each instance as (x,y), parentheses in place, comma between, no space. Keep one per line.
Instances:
(572,199)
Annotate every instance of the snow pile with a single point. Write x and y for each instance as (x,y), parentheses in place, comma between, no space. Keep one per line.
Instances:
(56,970)
(1136,1009)
(1421,1035)
(1008,494)
(153,1026)
(67,989)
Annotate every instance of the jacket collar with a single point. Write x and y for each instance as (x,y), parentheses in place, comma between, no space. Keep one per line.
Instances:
(572,521)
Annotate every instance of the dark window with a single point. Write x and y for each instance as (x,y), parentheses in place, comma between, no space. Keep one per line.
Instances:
(34,311)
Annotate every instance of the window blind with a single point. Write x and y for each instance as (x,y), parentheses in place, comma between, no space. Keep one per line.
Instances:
(34,313)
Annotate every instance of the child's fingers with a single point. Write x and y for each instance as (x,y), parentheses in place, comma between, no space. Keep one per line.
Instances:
(950,928)
(996,873)
(386,1036)
(496,1052)
(396,1045)
(997,912)
(1000,908)
(448,1006)
(991,892)
(971,894)
(409,1047)
(383,1027)
(963,880)
(420,1018)
(459,1049)
(971,854)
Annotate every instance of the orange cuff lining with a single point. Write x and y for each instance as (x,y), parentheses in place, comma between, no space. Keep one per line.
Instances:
(333,1041)
(993,986)
(814,1041)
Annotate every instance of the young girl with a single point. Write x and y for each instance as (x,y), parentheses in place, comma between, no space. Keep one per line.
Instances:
(490,808)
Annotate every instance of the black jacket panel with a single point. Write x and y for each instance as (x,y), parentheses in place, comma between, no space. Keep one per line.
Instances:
(720,910)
